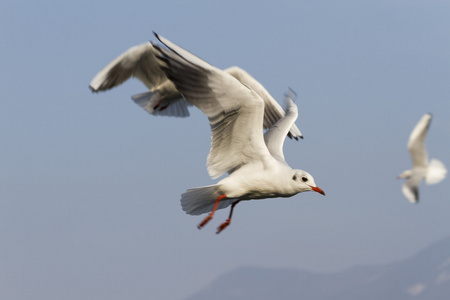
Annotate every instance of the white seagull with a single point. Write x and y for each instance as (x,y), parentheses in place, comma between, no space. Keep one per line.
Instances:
(433,172)
(163,98)
(255,162)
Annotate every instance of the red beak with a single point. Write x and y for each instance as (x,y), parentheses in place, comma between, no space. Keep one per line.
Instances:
(317,189)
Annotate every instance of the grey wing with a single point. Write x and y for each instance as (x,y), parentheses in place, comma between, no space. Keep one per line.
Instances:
(235,112)
(272,110)
(156,104)
(416,143)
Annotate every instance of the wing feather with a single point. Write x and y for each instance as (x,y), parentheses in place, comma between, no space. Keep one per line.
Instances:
(235,112)
(272,110)
(138,61)
(410,187)
(416,143)
(275,136)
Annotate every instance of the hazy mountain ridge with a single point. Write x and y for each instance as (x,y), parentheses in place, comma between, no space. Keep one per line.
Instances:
(425,276)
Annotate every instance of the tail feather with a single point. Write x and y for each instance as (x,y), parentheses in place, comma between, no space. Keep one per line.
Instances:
(201,200)
(154,103)
(436,172)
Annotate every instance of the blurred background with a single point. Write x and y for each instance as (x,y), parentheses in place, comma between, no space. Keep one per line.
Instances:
(90,183)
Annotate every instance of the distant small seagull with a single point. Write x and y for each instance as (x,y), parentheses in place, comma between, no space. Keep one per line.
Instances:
(255,162)
(433,172)
(163,98)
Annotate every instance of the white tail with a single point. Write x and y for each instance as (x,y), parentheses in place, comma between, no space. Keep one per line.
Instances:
(173,108)
(436,172)
(200,200)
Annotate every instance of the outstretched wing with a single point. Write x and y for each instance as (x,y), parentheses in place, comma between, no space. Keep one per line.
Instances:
(416,143)
(275,136)
(410,187)
(138,61)
(272,110)
(235,111)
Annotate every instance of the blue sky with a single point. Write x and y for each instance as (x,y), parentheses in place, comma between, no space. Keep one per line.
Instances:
(90,183)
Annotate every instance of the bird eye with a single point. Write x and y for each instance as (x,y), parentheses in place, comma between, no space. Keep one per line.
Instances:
(294,177)
(304,179)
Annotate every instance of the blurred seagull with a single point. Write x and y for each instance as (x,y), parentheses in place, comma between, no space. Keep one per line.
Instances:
(163,98)
(433,172)
(255,162)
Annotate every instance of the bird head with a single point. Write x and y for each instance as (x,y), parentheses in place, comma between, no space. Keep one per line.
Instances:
(304,182)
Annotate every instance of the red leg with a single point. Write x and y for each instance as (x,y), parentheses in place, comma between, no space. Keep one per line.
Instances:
(211,214)
(228,221)
(157,104)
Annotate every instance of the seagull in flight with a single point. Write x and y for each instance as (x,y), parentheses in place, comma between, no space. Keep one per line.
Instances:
(254,161)
(433,172)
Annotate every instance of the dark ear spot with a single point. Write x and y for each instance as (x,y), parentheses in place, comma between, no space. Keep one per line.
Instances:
(294,177)
(304,179)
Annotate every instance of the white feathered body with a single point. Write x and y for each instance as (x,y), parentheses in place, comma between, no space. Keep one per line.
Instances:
(247,183)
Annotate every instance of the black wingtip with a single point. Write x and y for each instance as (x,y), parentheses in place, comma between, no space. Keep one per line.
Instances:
(295,137)
(157,36)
